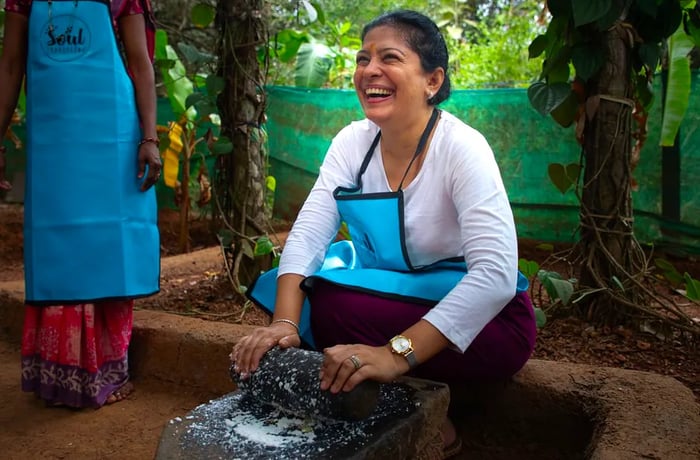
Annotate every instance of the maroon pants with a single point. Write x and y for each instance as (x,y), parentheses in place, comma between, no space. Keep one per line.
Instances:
(343,316)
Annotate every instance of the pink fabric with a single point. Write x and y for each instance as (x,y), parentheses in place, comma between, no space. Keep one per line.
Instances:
(76,355)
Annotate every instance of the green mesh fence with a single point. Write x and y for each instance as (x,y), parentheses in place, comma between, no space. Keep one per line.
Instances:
(302,122)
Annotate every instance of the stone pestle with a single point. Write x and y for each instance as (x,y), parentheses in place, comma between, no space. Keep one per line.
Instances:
(288,379)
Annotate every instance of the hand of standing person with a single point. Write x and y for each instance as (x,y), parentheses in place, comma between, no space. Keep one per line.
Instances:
(149,155)
(132,30)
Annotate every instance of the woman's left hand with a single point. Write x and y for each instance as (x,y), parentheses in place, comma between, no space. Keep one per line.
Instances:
(345,366)
(149,155)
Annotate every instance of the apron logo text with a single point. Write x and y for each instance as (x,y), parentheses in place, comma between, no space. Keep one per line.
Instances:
(66,38)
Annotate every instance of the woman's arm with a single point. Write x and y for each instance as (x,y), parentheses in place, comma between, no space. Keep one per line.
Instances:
(132,29)
(12,67)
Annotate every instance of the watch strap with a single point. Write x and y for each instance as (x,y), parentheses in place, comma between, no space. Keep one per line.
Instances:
(411,358)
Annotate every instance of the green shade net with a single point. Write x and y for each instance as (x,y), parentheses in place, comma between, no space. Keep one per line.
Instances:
(302,122)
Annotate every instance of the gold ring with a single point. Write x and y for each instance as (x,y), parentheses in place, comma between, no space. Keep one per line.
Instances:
(356,362)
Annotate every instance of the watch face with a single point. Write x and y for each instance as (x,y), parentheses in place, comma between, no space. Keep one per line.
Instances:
(400,344)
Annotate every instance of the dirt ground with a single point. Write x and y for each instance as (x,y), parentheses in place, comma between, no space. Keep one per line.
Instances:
(200,288)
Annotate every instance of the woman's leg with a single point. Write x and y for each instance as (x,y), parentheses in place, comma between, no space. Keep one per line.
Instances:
(76,355)
(341,316)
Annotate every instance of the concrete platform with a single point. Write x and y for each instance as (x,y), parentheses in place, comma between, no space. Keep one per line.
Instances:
(549,410)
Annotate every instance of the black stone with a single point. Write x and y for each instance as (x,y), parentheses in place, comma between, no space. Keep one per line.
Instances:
(288,379)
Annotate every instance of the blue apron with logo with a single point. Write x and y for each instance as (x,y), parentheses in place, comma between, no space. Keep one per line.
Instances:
(89,233)
(375,261)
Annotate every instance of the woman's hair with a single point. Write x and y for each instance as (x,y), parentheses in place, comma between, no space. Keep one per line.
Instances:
(424,38)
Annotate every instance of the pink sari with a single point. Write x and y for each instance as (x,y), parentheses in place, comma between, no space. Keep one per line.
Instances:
(76,355)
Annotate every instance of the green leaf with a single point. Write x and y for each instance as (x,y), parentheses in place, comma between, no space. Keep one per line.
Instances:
(215,84)
(556,287)
(589,11)
(314,62)
(678,86)
(246,249)
(537,47)
(587,61)
(225,237)
(528,268)
(194,56)
(649,54)
(645,91)
(545,98)
(287,43)
(202,15)
(555,68)
(222,146)
(540,318)
(565,113)
(648,7)
(560,8)
(271,183)
(692,287)
(310,10)
(193,99)
(263,246)
(178,86)
(563,177)
(321,16)
(691,24)
(613,14)
(669,271)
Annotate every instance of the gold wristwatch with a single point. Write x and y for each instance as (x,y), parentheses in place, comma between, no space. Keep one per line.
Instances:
(403,346)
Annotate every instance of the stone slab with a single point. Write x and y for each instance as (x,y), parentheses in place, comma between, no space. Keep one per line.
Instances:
(238,426)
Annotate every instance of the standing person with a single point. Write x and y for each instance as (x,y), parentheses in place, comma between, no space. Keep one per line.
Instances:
(91,241)
(423,199)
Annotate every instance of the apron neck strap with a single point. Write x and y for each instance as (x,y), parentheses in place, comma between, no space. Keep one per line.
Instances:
(421,146)
(421,143)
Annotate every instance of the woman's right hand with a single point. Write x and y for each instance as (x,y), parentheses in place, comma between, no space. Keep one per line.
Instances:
(250,349)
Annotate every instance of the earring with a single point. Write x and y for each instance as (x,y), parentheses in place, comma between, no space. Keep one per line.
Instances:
(430,95)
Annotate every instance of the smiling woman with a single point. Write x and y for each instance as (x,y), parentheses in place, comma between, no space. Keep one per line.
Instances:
(428,285)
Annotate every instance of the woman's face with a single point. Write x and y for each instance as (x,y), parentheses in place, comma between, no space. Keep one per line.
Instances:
(389,80)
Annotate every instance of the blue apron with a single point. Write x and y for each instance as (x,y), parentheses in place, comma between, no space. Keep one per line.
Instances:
(375,260)
(89,233)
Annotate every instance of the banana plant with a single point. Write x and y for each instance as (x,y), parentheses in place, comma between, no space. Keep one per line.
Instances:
(194,131)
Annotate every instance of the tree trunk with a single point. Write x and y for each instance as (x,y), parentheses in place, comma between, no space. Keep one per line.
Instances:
(240,181)
(611,253)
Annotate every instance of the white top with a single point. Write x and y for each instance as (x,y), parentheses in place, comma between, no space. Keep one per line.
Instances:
(456,206)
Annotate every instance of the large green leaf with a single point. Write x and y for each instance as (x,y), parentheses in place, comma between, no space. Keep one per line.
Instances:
(287,43)
(560,8)
(556,287)
(691,23)
(587,11)
(564,177)
(537,47)
(587,61)
(678,87)
(692,287)
(545,98)
(202,15)
(555,68)
(178,86)
(314,62)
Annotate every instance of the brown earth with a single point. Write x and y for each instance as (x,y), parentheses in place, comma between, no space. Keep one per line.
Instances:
(196,285)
